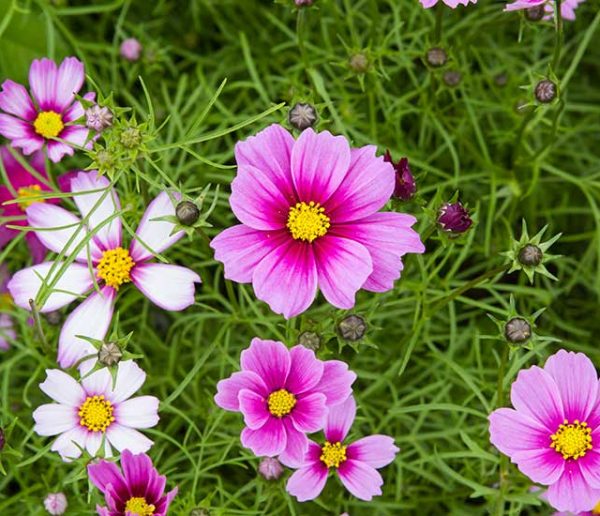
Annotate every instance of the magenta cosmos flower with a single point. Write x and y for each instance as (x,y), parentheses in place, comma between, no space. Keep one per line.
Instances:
(137,491)
(309,219)
(96,412)
(54,115)
(567,7)
(283,394)
(356,464)
(553,434)
(450,3)
(171,287)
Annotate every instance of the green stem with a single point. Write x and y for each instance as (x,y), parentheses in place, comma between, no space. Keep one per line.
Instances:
(38,326)
(559,36)
(439,18)
(300,29)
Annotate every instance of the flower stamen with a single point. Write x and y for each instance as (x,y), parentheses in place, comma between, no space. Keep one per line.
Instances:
(572,440)
(115,267)
(307,221)
(48,124)
(138,506)
(281,402)
(96,413)
(333,454)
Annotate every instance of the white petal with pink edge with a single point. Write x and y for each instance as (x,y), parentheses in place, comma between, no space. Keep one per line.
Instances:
(169,286)
(54,419)
(123,438)
(130,377)
(69,80)
(63,388)
(15,100)
(140,412)
(69,444)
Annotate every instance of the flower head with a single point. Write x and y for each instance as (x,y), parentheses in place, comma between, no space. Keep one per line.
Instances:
(131,49)
(137,491)
(283,394)
(54,115)
(169,286)
(454,217)
(309,213)
(450,3)
(567,7)
(98,118)
(355,464)
(553,433)
(55,503)
(405,182)
(96,412)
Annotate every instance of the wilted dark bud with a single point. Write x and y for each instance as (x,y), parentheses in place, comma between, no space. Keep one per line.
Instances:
(535,13)
(352,328)
(270,468)
(501,79)
(517,330)
(405,186)
(98,118)
(436,57)
(545,91)
(187,213)
(452,78)
(109,354)
(359,63)
(310,340)
(131,138)
(54,318)
(2,439)
(454,218)
(302,116)
(530,255)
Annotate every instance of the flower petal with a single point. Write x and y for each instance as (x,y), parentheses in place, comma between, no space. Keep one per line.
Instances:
(254,408)
(140,412)
(336,382)
(296,446)
(63,388)
(375,450)
(512,431)
(122,437)
(339,420)
(54,419)
(15,100)
(270,360)
(130,377)
(58,150)
(229,389)
(169,286)
(307,483)
(268,441)
(544,466)
(76,135)
(98,383)
(70,444)
(362,480)
(20,133)
(310,413)
(75,111)
(571,493)
(69,81)
(137,470)
(105,473)
(42,81)
(93,442)
(305,370)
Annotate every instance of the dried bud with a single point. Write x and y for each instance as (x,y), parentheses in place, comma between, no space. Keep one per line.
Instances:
(454,218)
(131,49)
(310,340)
(436,57)
(359,63)
(530,255)
(302,116)
(452,78)
(56,503)
(405,186)
(270,468)
(187,213)
(131,138)
(98,118)
(2,439)
(54,318)
(501,79)
(109,354)
(352,328)
(535,13)
(517,330)
(545,91)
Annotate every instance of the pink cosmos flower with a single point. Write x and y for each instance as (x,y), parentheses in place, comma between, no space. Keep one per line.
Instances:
(131,49)
(25,185)
(553,434)
(309,219)
(138,490)
(30,126)
(7,332)
(450,3)
(283,394)
(567,7)
(356,464)
(100,239)
(96,412)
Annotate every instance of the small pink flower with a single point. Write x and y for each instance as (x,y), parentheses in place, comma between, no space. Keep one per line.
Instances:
(283,394)
(309,212)
(553,434)
(450,3)
(356,464)
(131,49)
(56,503)
(30,126)
(567,7)
(96,412)
(139,490)
(270,468)
(169,286)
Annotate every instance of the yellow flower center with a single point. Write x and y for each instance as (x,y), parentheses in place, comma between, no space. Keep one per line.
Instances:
(572,440)
(596,509)
(138,506)
(115,266)
(26,196)
(307,221)
(96,413)
(48,124)
(281,402)
(6,301)
(333,454)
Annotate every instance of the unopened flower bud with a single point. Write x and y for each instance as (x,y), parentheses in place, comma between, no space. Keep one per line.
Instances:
(530,255)
(109,354)
(131,49)
(2,439)
(302,116)
(359,63)
(131,138)
(545,91)
(98,118)
(452,78)
(54,318)
(352,328)
(436,57)
(454,218)
(270,468)
(55,503)
(405,186)
(517,330)
(187,213)
(310,340)
(535,13)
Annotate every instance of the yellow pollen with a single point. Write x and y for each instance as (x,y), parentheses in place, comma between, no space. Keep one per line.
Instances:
(25,194)
(96,413)
(596,509)
(307,221)
(115,266)
(138,506)
(572,440)
(281,402)
(48,124)
(333,454)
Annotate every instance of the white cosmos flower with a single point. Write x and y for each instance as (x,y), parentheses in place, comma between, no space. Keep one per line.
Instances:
(169,286)
(94,412)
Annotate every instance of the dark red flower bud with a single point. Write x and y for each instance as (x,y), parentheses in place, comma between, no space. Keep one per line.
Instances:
(454,217)
(405,182)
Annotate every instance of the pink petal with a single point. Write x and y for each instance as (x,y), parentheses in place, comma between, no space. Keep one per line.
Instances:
(307,483)
(368,185)
(69,81)
(305,370)
(319,164)
(590,466)
(15,100)
(286,279)
(58,150)
(428,3)
(63,388)
(77,135)
(171,287)
(75,111)
(342,266)
(104,473)
(123,438)
(241,249)
(339,420)
(229,389)
(42,81)
(268,441)
(270,360)
(37,250)
(376,450)
(512,431)
(130,378)
(544,466)
(572,493)
(296,446)
(140,412)
(362,480)
(310,413)
(254,408)
(336,382)
(21,133)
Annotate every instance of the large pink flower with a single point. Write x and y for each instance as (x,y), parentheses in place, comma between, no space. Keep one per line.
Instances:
(567,7)
(356,464)
(283,394)
(553,434)
(98,239)
(309,219)
(53,117)
(450,3)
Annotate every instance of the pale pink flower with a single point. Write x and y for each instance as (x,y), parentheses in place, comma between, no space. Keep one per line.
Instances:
(131,49)
(55,503)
